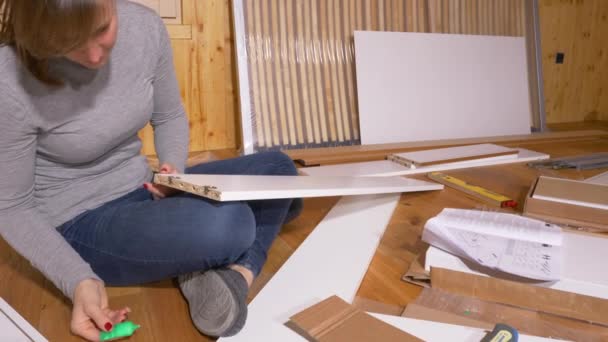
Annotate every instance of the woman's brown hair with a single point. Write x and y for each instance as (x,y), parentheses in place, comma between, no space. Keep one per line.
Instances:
(42,29)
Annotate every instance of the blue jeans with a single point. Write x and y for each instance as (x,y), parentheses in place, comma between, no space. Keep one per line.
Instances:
(135,239)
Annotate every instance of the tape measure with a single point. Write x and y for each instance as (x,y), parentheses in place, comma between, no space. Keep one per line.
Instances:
(502,333)
(473,190)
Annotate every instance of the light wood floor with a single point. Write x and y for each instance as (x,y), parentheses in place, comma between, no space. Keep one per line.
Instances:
(162,311)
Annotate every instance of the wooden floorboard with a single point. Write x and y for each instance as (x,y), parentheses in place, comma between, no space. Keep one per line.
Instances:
(162,311)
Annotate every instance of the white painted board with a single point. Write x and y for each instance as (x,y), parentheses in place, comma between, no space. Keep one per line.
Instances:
(430,86)
(602,178)
(385,168)
(449,154)
(241,188)
(584,258)
(441,332)
(14,328)
(317,269)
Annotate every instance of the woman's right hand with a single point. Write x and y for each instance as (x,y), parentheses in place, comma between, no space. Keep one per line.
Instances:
(90,314)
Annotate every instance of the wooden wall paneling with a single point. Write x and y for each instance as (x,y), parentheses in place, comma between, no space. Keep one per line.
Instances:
(595,63)
(204,63)
(574,88)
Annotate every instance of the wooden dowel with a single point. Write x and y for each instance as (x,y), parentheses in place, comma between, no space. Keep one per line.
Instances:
(317,16)
(335,125)
(268,65)
(312,66)
(277,62)
(294,118)
(254,66)
(381,21)
(347,37)
(303,62)
(341,15)
(261,60)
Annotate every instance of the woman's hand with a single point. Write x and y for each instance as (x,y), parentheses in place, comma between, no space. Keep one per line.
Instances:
(90,314)
(160,191)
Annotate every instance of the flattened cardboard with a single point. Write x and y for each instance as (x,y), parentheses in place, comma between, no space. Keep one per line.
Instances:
(442,306)
(418,311)
(564,213)
(334,320)
(369,305)
(416,274)
(561,303)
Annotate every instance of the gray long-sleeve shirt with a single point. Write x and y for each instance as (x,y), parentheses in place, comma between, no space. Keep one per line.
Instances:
(70,149)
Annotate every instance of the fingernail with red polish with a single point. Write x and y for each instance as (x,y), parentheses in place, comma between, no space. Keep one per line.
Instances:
(146,186)
(108,326)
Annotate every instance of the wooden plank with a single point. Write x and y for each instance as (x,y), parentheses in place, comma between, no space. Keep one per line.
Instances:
(315,271)
(397,74)
(245,188)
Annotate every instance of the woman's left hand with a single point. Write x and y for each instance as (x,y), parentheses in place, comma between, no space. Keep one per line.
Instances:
(160,191)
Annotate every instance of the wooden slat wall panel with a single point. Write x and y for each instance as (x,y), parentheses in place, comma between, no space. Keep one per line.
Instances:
(214,120)
(577,89)
(301,58)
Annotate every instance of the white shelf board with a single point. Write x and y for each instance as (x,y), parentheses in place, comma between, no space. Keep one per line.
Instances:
(331,261)
(242,188)
(387,168)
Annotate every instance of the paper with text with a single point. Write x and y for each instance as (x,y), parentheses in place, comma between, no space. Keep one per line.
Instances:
(506,242)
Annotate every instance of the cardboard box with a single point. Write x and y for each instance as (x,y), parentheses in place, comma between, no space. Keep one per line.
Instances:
(334,320)
(565,213)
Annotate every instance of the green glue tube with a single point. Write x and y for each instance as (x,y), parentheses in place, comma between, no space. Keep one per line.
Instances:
(120,330)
